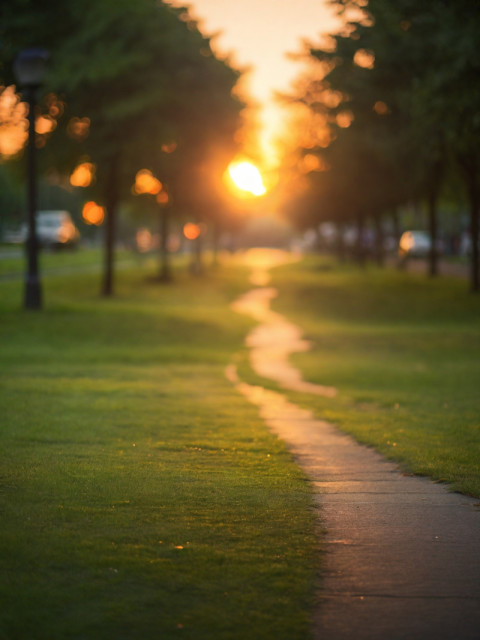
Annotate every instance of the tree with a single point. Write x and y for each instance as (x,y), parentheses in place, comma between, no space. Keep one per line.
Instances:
(423,82)
(134,76)
(357,148)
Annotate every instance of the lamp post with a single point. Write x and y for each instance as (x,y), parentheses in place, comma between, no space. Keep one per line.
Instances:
(29,69)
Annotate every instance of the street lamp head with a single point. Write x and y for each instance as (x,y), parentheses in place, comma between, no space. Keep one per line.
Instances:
(30,66)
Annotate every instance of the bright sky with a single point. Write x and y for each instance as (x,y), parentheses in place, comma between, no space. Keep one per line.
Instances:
(259,34)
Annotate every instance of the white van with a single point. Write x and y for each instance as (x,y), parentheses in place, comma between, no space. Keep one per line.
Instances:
(55,229)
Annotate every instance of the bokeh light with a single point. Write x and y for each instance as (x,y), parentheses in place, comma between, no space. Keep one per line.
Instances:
(145,182)
(162,197)
(144,240)
(381,108)
(93,213)
(78,128)
(83,175)
(13,122)
(191,231)
(344,119)
(45,124)
(364,58)
(169,147)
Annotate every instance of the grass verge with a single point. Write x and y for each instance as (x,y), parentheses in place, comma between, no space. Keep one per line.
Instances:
(404,353)
(141,495)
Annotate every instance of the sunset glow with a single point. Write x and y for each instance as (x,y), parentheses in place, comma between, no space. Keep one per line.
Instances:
(247,178)
(258,35)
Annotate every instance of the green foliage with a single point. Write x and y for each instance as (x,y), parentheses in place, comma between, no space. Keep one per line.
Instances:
(140,75)
(408,74)
(144,75)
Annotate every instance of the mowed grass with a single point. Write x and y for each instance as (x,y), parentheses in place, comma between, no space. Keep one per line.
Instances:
(55,261)
(141,496)
(13,262)
(403,351)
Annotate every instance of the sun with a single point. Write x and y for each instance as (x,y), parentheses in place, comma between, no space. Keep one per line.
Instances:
(247,178)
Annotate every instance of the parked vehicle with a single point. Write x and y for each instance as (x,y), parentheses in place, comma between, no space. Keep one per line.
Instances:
(414,244)
(55,230)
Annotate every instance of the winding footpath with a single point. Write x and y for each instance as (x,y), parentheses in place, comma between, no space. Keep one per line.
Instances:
(402,553)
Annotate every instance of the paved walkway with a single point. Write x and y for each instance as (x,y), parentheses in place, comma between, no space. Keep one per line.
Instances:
(402,554)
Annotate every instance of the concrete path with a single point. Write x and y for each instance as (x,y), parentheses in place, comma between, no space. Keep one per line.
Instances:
(273,341)
(402,554)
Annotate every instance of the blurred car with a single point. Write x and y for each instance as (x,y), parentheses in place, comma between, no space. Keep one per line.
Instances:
(55,230)
(414,244)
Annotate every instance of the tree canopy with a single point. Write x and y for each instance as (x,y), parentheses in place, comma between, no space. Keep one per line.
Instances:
(132,79)
(399,97)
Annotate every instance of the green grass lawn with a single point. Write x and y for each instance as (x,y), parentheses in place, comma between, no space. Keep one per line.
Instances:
(141,496)
(404,353)
(13,262)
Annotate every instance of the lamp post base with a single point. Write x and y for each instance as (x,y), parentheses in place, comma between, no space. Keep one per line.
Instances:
(33,294)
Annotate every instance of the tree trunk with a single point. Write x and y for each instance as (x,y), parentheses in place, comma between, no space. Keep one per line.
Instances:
(475,266)
(111,201)
(360,243)
(196,265)
(379,241)
(396,225)
(470,166)
(397,234)
(215,242)
(433,193)
(340,242)
(433,231)
(474,197)
(165,272)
